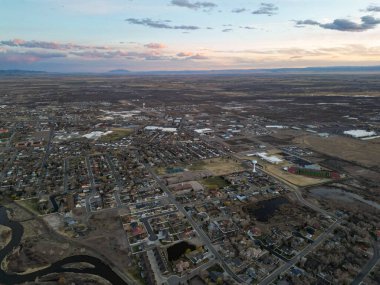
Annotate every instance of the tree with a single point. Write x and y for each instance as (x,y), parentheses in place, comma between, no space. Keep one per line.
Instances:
(61,280)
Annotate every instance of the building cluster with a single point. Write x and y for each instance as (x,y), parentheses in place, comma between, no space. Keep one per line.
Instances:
(181,182)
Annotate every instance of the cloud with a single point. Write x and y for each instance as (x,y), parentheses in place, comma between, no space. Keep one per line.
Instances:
(11,56)
(343,25)
(302,23)
(158,57)
(247,27)
(22,51)
(238,10)
(373,8)
(159,24)
(268,9)
(198,57)
(184,54)
(155,46)
(194,5)
(190,55)
(46,45)
(345,51)
(227,30)
(96,54)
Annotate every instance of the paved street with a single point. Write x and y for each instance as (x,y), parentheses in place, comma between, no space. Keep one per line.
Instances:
(65,175)
(200,232)
(92,183)
(117,178)
(275,274)
(370,265)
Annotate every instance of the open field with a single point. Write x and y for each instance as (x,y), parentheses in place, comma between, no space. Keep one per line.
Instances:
(218,166)
(365,153)
(30,204)
(293,179)
(214,182)
(117,134)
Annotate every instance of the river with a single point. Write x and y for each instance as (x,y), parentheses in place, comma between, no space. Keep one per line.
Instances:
(100,268)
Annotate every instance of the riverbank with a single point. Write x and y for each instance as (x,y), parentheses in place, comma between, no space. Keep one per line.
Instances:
(99,267)
(5,236)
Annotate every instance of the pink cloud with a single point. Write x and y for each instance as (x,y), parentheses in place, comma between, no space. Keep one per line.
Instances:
(198,57)
(18,41)
(155,46)
(27,57)
(48,45)
(190,55)
(184,54)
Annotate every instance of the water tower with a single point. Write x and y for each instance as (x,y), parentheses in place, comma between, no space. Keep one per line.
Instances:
(254,162)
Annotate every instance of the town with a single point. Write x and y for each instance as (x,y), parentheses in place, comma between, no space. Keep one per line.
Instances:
(174,189)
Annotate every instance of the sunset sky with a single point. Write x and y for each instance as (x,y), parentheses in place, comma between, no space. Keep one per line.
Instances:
(101,35)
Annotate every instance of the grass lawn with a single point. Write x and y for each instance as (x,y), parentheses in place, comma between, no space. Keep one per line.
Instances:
(135,272)
(218,166)
(117,134)
(216,268)
(214,182)
(31,204)
(198,165)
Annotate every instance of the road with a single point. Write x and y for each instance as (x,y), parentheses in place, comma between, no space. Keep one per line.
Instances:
(200,232)
(370,265)
(310,205)
(270,278)
(47,148)
(65,174)
(117,178)
(273,276)
(175,279)
(152,235)
(45,157)
(92,182)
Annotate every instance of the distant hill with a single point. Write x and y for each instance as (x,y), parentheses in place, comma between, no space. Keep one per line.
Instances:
(119,71)
(306,70)
(328,69)
(17,72)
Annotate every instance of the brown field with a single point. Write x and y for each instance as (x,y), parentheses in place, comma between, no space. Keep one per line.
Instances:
(218,166)
(117,134)
(292,179)
(365,153)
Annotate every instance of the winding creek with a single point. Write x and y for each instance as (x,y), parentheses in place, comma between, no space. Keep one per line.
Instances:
(99,267)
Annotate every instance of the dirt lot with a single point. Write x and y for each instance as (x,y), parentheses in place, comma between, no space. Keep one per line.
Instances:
(365,153)
(106,235)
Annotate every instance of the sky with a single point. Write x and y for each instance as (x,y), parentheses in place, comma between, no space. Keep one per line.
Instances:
(144,35)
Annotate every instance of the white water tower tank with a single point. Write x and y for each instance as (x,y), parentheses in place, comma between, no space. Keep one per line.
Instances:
(254,162)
